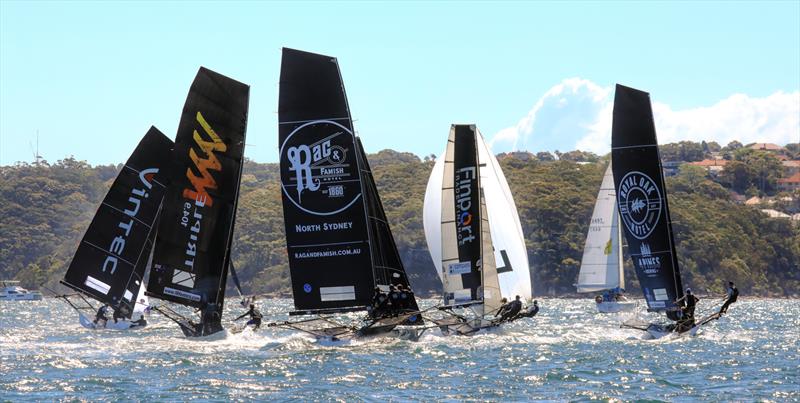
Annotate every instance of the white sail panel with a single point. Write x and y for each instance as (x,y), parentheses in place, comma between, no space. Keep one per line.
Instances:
(510,253)
(601,265)
(492,293)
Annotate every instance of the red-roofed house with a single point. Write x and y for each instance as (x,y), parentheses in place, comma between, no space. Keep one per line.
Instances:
(790,167)
(714,166)
(765,147)
(789,184)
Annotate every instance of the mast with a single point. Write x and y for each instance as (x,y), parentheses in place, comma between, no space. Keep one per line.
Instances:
(109,264)
(192,251)
(642,200)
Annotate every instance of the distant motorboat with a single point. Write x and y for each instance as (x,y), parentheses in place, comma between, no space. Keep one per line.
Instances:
(11,291)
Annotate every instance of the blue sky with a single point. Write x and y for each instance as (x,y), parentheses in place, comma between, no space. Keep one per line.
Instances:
(92,77)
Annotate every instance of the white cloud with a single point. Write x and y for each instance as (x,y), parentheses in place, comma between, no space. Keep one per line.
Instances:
(576,114)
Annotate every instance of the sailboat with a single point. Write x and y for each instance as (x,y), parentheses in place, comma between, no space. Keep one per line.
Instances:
(192,253)
(110,262)
(644,212)
(338,240)
(601,265)
(476,273)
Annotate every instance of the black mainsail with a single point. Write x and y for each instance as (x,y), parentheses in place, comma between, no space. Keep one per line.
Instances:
(110,262)
(193,247)
(338,240)
(642,200)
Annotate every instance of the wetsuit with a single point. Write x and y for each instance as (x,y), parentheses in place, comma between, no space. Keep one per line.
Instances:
(255,317)
(394,299)
(101,314)
(733,295)
(691,303)
(531,312)
(513,309)
(118,315)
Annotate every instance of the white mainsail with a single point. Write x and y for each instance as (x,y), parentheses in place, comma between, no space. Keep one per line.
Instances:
(601,266)
(510,263)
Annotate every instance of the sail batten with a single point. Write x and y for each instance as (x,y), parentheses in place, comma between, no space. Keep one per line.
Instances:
(642,200)
(124,221)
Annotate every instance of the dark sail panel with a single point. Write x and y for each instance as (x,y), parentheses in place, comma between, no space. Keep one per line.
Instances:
(389,268)
(192,251)
(467,188)
(642,199)
(110,262)
(323,202)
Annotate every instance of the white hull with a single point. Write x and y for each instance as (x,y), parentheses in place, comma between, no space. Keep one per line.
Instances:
(615,306)
(22,297)
(110,325)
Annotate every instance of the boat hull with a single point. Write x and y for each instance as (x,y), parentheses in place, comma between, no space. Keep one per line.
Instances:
(615,306)
(21,297)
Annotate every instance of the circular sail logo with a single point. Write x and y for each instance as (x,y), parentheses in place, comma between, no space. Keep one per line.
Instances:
(316,173)
(640,204)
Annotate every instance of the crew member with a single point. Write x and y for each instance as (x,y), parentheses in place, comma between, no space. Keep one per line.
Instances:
(503,307)
(405,297)
(733,295)
(513,309)
(118,314)
(691,303)
(394,298)
(101,314)
(531,311)
(255,317)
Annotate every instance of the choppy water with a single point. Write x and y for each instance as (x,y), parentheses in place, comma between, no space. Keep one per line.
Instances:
(567,353)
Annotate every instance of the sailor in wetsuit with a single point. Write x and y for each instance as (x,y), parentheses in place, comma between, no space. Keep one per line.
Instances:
(513,309)
(405,298)
(733,295)
(394,298)
(379,302)
(101,315)
(119,313)
(531,311)
(691,303)
(255,317)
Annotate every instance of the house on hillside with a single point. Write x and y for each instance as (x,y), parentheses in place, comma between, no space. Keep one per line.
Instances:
(671,168)
(766,147)
(790,167)
(789,184)
(712,166)
(753,201)
(775,213)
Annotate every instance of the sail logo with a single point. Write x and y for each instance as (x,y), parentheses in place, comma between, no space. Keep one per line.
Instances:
(315,174)
(640,204)
(205,181)
(464,183)
(135,201)
(646,262)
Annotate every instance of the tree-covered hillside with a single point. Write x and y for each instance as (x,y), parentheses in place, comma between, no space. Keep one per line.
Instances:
(44,210)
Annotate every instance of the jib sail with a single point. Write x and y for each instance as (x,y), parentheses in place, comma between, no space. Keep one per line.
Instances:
(111,259)
(338,241)
(192,252)
(642,199)
(388,266)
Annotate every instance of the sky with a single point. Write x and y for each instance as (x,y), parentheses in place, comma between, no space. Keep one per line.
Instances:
(91,77)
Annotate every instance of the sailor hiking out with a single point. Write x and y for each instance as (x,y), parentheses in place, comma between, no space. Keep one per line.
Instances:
(255,317)
(101,315)
(731,297)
